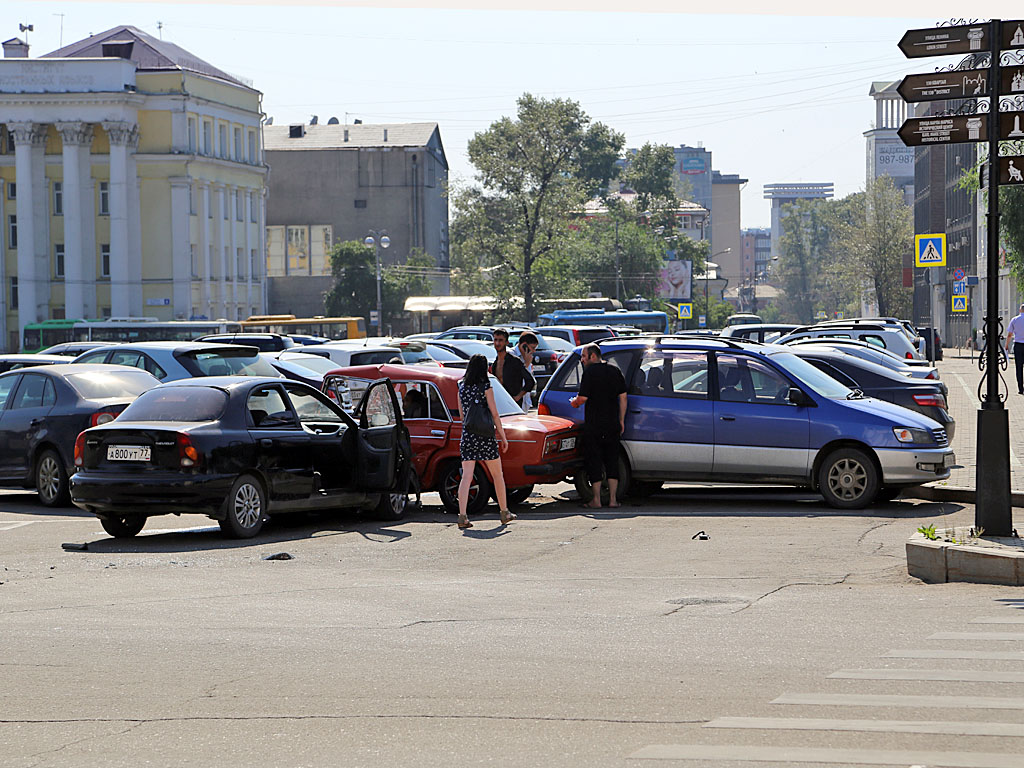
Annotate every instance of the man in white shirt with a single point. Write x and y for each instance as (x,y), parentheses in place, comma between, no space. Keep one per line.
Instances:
(1015,332)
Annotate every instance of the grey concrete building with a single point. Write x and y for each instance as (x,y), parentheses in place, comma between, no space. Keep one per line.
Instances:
(887,155)
(782,195)
(331,183)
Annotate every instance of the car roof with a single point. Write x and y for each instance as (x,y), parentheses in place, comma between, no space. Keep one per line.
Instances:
(17,357)
(698,342)
(60,369)
(399,372)
(221,382)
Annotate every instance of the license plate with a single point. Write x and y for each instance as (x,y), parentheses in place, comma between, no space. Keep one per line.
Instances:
(948,460)
(568,443)
(128,453)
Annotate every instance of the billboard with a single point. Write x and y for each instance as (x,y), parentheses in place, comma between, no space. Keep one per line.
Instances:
(690,165)
(675,281)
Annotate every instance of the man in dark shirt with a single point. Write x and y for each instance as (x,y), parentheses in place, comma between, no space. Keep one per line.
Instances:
(603,393)
(509,369)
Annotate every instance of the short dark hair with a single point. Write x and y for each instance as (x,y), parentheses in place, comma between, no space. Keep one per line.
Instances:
(592,348)
(529,337)
(500,332)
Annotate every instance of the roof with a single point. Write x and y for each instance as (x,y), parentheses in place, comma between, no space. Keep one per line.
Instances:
(597,206)
(362,136)
(399,372)
(148,53)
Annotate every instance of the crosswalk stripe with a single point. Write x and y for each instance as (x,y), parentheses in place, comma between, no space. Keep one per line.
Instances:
(1019,619)
(948,728)
(826,755)
(900,700)
(977,636)
(953,675)
(944,654)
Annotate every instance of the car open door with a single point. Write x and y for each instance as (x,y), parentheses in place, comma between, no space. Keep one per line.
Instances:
(380,424)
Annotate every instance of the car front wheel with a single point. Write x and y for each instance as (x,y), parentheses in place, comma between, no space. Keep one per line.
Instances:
(51,480)
(244,509)
(123,527)
(848,479)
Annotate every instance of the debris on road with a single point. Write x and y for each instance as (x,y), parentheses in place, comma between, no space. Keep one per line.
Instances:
(74,546)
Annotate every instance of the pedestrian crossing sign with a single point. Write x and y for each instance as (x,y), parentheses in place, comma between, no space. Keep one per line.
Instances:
(930,250)
(685,311)
(959,303)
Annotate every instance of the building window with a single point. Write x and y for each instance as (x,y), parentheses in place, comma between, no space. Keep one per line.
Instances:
(12,231)
(14,293)
(192,138)
(360,203)
(239,205)
(58,261)
(104,198)
(12,190)
(238,145)
(222,134)
(252,147)
(57,313)
(207,137)
(104,312)
(58,198)
(195,261)
(105,260)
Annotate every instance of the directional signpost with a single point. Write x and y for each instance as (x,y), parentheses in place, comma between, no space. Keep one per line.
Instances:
(1011,170)
(942,41)
(959,84)
(958,129)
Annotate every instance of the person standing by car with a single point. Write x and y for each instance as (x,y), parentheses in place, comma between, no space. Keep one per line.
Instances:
(475,391)
(525,349)
(1015,331)
(603,393)
(509,369)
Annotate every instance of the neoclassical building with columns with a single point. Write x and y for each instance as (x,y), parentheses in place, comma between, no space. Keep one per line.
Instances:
(133,184)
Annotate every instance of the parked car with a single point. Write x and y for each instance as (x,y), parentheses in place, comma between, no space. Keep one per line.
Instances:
(377,353)
(730,411)
(903,326)
(763,332)
(174,360)
(887,338)
(577,335)
(303,339)
(75,348)
(42,410)
(16,361)
(933,350)
(470,332)
(465,349)
(882,383)
(542,449)
(240,450)
(447,357)
(264,342)
(918,369)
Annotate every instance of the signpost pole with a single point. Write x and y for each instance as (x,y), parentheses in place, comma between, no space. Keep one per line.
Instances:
(992,510)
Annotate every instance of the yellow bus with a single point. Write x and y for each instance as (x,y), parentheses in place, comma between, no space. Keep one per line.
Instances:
(327,327)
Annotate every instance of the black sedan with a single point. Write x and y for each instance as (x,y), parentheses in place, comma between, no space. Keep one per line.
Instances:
(239,449)
(877,381)
(42,410)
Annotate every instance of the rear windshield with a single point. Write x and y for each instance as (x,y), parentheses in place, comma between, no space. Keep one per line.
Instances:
(177,404)
(444,355)
(97,385)
(588,335)
(226,362)
(312,362)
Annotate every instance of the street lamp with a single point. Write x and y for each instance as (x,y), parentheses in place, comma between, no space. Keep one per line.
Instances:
(378,239)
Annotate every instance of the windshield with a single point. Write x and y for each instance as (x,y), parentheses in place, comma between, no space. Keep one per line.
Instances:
(315,363)
(177,404)
(227,362)
(820,382)
(503,400)
(99,385)
(443,355)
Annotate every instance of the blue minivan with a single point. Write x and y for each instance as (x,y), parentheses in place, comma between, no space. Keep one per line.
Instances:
(716,409)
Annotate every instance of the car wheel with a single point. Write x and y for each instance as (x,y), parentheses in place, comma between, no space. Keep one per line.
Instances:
(51,479)
(244,509)
(448,489)
(586,493)
(392,505)
(123,527)
(848,479)
(519,495)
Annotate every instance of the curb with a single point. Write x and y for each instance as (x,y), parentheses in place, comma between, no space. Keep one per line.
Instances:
(953,493)
(939,562)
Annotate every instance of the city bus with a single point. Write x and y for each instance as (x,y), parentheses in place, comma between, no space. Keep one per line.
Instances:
(646,321)
(326,327)
(39,336)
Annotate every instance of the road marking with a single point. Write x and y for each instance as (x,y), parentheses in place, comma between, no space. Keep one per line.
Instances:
(826,755)
(953,728)
(999,620)
(899,700)
(977,404)
(977,636)
(10,526)
(965,676)
(994,655)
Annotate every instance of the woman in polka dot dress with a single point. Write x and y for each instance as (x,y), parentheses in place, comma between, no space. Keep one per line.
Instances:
(475,388)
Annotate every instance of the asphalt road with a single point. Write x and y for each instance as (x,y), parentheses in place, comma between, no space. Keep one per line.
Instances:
(568,638)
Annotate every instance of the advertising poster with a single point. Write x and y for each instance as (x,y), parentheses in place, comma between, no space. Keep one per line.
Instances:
(675,281)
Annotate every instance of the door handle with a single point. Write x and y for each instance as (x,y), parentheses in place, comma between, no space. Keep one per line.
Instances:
(35,422)
(635,410)
(266,442)
(437,432)
(727,418)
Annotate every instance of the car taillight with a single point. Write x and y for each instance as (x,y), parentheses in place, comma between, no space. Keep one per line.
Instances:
(102,417)
(80,450)
(931,375)
(188,456)
(909,355)
(938,401)
(551,445)
(543,410)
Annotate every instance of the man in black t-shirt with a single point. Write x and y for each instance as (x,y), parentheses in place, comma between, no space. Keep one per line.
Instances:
(603,393)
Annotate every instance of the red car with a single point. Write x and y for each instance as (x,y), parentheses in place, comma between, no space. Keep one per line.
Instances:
(542,449)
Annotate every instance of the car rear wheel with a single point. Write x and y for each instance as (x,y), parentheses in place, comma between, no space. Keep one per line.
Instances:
(244,509)
(586,492)
(520,495)
(51,479)
(848,479)
(123,527)
(392,505)
(448,489)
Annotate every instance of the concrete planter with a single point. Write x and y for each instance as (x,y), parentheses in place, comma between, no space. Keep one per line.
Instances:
(985,561)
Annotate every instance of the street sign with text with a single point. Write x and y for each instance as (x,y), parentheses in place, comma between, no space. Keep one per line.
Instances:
(922,131)
(942,41)
(960,84)
(1011,170)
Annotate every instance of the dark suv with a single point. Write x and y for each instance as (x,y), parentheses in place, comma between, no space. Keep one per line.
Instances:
(264,342)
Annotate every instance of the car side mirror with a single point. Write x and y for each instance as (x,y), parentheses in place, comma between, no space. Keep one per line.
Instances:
(798,397)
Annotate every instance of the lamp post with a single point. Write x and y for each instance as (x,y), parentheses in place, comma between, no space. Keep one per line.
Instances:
(378,239)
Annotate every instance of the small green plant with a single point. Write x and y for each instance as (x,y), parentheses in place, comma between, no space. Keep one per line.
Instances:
(928,532)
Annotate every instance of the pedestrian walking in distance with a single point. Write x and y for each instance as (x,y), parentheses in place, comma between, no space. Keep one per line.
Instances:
(509,369)
(1015,332)
(475,393)
(603,395)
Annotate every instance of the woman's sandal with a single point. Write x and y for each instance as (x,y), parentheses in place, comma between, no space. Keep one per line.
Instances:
(507,517)
(465,525)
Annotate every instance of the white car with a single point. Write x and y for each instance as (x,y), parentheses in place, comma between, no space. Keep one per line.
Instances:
(346,353)
(873,333)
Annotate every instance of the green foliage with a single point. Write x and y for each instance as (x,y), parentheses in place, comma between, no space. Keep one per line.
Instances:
(592,252)
(649,172)
(928,532)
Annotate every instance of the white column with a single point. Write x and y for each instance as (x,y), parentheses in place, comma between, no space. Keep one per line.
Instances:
(219,209)
(26,135)
(261,234)
(76,138)
(181,247)
(119,135)
(235,197)
(250,200)
(203,214)
(4,292)
(87,246)
(135,255)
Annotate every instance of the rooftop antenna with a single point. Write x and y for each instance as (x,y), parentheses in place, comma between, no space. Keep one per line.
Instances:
(26,28)
(160,29)
(61,28)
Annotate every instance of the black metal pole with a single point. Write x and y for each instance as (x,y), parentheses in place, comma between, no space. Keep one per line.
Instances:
(992,510)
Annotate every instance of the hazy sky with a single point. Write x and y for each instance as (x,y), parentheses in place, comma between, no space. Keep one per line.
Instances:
(774,98)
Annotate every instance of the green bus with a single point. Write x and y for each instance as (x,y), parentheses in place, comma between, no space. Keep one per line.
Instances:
(40,336)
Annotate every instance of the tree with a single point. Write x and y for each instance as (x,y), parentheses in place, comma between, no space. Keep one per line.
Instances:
(602,250)
(533,173)
(650,172)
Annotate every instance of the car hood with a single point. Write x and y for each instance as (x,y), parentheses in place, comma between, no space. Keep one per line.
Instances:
(527,422)
(897,414)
